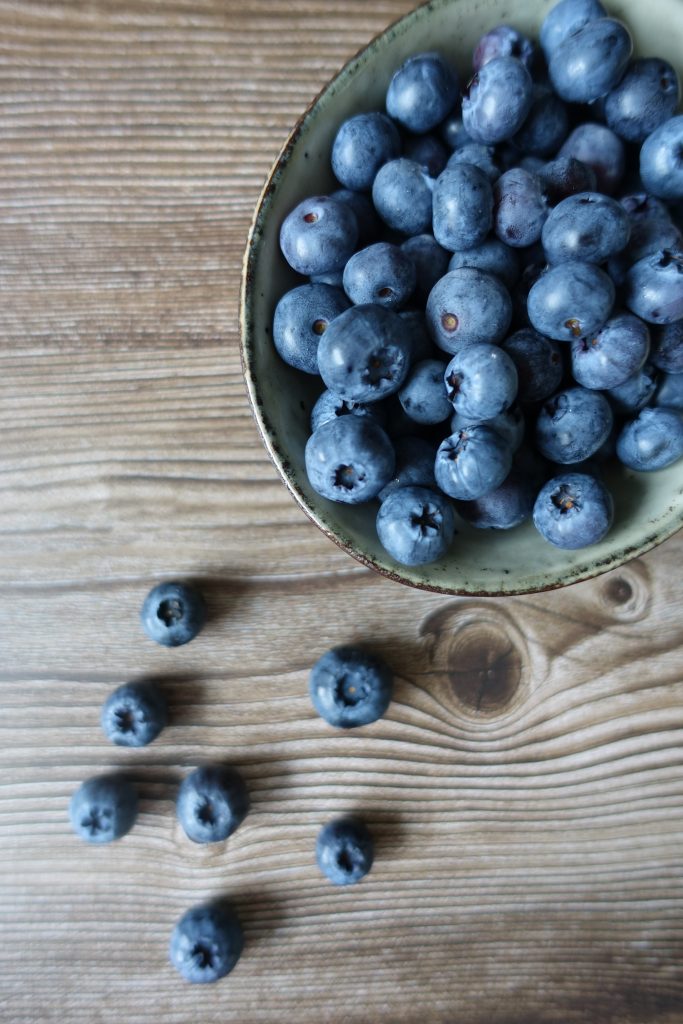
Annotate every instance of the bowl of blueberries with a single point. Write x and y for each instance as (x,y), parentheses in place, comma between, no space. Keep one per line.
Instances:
(462,298)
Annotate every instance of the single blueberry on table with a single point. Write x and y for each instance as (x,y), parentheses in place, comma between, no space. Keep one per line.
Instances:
(422,92)
(430,259)
(661,160)
(493,257)
(572,425)
(206,943)
(423,395)
(646,96)
(173,613)
(570,300)
(103,808)
(614,354)
(330,406)
(402,194)
(462,205)
(467,306)
(546,126)
(600,149)
(301,317)
(566,176)
(538,362)
(497,100)
(503,41)
(428,152)
(591,62)
(573,510)
(653,440)
(349,460)
(670,391)
(519,207)
(566,19)
(635,392)
(134,714)
(503,508)
(361,146)
(344,851)
(366,215)
(478,155)
(653,287)
(481,382)
(350,687)
(414,465)
(212,802)
(667,348)
(365,353)
(381,274)
(589,227)
(415,525)
(472,462)
(319,235)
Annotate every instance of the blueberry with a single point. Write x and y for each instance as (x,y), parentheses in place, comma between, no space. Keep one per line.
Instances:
(493,257)
(653,440)
(546,126)
(509,424)
(349,460)
(350,687)
(134,714)
(571,300)
(520,293)
(647,95)
(538,362)
(452,131)
(415,525)
(654,287)
(481,382)
(467,306)
(212,802)
(572,425)
(380,274)
(651,227)
(667,349)
(566,176)
(591,62)
(573,510)
(422,92)
(478,155)
(402,194)
(414,327)
(503,41)
(103,808)
(600,149)
(344,851)
(206,943)
(670,391)
(497,100)
(566,19)
(472,462)
(301,316)
(614,354)
(423,396)
(428,152)
(462,207)
(330,406)
(414,465)
(589,227)
(661,160)
(361,146)
(430,259)
(366,216)
(172,614)
(519,207)
(635,392)
(503,508)
(319,235)
(365,353)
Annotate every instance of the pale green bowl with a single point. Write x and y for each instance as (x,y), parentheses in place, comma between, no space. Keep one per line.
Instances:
(649,507)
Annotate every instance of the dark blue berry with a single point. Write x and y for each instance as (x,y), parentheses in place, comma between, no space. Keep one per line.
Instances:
(301,317)
(589,227)
(172,614)
(600,149)
(573,510)
(472,462)
(667,348)
(402,194)
(212,802)
(614,354)
(349,460)
(589,63)
(497,100)
(330,406)
(483,157)
(452,131)
(653,440)
(428,152)
(646,96)
(206,943)
(572,425)
(571,300)
(380,274)
(414,324)
(566,19)
(365,353)
(422,92)
(635,393)
(414,465)
(468,306)
(503,41)
(344,851)
(538,362)
(462,207)
(134,714)
(651,227)
(519,207)
(362,144)
(423,396)
(566,176)
(366,216)
(493,257)
(103,808)
(546,126)
(670,391)
(653,287)
(415,525)
(481,382)
(319,235)
(430,259)
(503,508)
(661,160)
(350,687)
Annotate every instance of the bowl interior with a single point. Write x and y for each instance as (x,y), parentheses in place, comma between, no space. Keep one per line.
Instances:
(649,507)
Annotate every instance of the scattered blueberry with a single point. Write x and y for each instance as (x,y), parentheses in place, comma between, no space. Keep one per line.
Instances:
(572,425)
(365,353)
(349,460)
(134,714)
(172,614)
(472,462)
(653,440)
(361,146)
(212,802)
(344,851)
(497,100)
(467,306)
(301,317)
(462,207)
(350,687)
(319,235)
(206,943)
(571,300)
(415,525)
(573,510)
(103,808)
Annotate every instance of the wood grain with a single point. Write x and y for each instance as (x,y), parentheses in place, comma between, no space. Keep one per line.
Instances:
(526,787)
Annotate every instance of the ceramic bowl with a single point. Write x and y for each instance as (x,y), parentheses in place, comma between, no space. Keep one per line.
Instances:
(649,507)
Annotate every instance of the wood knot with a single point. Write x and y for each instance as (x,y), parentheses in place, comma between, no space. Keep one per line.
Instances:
(485,667)
(626,594)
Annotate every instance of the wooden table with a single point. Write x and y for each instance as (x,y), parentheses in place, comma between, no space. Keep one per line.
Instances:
(526,787)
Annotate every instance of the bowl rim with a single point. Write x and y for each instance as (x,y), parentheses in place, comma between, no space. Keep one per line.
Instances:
(250,258)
